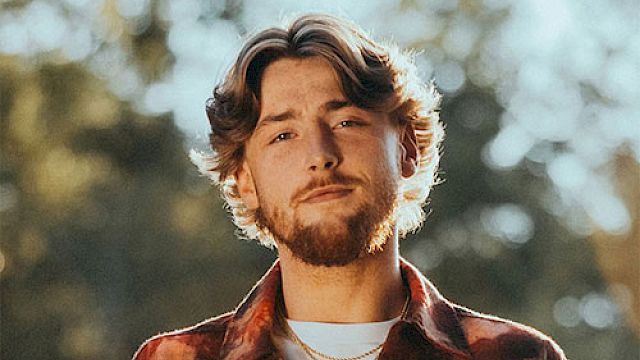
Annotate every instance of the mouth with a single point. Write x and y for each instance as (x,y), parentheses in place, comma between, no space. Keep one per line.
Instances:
(326,193)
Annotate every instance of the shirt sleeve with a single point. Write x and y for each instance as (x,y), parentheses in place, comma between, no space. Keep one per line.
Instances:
(553,351)
(165,348)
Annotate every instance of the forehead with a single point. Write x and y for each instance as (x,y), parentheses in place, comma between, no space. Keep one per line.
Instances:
(288,81)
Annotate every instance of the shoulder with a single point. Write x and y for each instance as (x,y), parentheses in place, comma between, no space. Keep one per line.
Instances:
(202,340)
(491,337)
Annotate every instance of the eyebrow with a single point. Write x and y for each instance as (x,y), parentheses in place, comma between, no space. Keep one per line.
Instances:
(329,106)
(334,105)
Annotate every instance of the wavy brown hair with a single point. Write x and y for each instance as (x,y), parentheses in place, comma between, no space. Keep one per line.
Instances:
(373,76)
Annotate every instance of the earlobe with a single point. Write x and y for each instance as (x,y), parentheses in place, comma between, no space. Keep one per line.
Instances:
(247,187)
(409,151)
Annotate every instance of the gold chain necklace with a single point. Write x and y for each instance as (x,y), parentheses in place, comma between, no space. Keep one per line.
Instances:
(314,354)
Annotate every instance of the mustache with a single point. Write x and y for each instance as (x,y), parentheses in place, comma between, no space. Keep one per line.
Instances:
(333,178)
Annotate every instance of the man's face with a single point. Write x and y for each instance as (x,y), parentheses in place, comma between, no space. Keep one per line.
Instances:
(321,173)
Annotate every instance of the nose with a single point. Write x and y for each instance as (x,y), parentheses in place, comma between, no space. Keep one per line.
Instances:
(323,153)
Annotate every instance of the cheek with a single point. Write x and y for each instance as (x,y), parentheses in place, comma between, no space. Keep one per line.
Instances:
(384,149)
(393,153)
(274,178)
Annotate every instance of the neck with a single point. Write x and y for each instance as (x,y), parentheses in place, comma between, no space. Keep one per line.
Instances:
(367,290)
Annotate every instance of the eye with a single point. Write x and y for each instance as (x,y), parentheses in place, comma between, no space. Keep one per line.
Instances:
(347,123)
(282,137)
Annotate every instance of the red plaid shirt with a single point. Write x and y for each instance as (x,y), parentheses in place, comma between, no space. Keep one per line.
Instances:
(434,328)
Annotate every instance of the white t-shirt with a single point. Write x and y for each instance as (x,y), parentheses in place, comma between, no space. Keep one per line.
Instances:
(333,339)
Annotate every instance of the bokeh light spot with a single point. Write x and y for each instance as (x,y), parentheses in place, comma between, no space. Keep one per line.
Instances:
(566,311)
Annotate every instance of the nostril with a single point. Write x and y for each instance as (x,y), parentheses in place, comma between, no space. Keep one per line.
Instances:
(323,161)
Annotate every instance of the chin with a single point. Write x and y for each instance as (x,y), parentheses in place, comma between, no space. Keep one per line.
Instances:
(329,216)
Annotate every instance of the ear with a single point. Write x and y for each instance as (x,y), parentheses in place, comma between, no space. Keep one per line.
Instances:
(409,150)
(247,187)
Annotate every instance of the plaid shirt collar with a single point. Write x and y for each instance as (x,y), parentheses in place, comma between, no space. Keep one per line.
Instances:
(429,316)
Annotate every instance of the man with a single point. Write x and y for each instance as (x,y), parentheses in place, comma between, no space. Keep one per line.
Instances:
(326,146)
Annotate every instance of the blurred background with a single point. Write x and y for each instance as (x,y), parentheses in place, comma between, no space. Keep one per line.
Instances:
(109,235)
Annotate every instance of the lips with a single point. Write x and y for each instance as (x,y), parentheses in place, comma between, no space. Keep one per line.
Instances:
(326,193)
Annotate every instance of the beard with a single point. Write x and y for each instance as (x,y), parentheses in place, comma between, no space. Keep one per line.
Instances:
(363,232)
